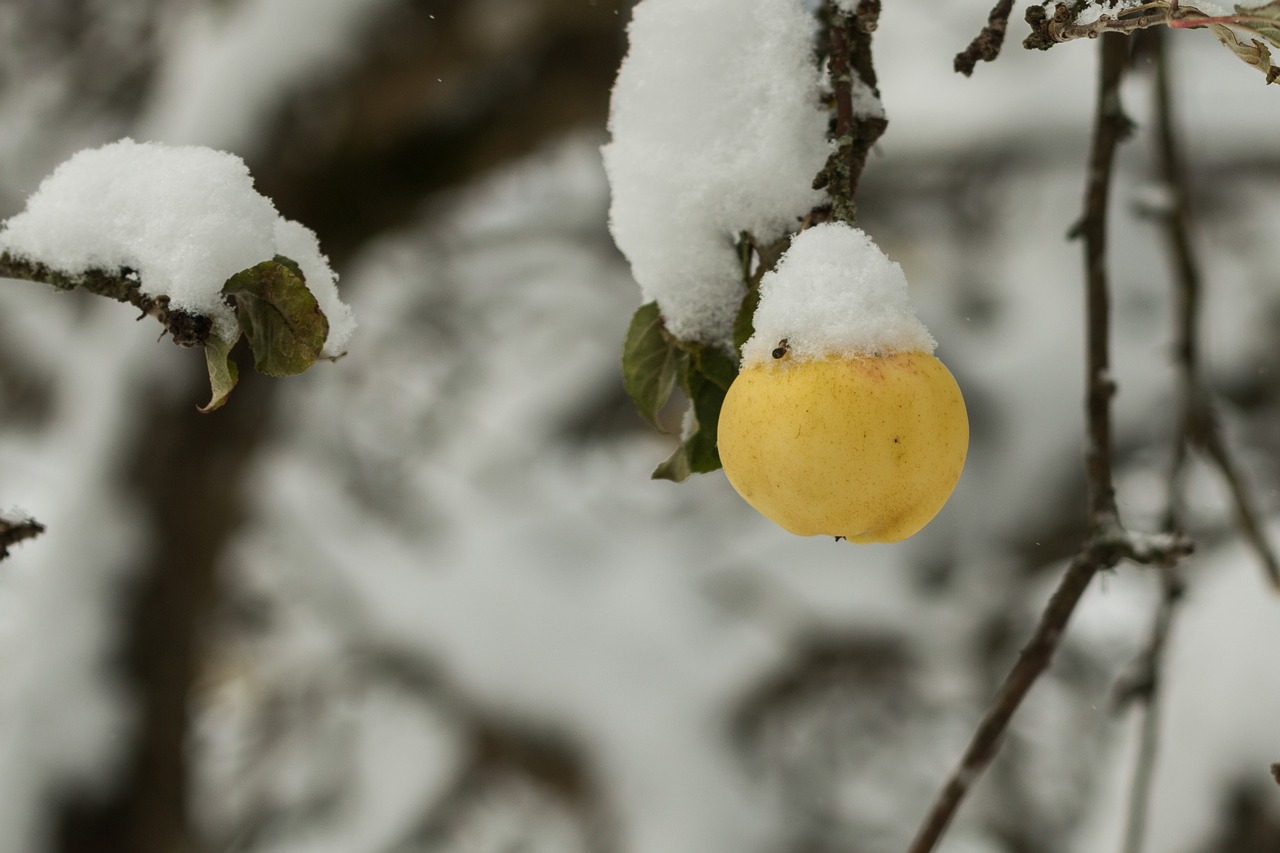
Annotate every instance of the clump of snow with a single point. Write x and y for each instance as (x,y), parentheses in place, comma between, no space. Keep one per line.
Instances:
(185,218)
(834,293)
(716,129)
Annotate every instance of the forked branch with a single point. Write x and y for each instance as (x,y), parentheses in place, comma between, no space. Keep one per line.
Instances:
(1108,543)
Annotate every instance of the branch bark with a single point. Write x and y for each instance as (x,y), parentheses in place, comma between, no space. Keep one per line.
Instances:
(122,285)
(1199,426)
(1108,542)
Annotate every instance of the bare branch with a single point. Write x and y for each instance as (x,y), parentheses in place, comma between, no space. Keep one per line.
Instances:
(1108,542)
(1144,687)
(1208,437)
(1111,126)
(986,45)
(1102,554)
(1200,426)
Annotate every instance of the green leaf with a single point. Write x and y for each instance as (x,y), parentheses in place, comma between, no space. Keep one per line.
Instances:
(649,357)
(653,361)
(675,468)
(1254,53)
(223,374)
(704,377)
(279,315)
(716,365)
(708,397)
(1269,11)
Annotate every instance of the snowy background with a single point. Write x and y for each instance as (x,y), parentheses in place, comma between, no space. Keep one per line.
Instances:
(428,599)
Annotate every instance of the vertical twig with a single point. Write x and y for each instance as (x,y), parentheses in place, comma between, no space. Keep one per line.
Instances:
(1111,126)
(1197,427)
(1200,426)
(857,126)
(1145,688)
(1108,543)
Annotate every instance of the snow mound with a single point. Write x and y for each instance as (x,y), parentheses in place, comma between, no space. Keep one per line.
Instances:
(834,293)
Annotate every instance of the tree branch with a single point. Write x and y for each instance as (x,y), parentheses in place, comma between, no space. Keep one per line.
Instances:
(1048,30)
(986,45)
(1200,426)
(122,285)
(859,118)
(1111,126)
(1101,554)
(1108,542)
(1144,687)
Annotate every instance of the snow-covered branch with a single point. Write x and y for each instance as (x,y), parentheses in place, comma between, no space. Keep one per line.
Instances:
(181,234)
(122,285)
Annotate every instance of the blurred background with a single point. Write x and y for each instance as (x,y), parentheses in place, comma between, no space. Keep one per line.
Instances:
(428,599)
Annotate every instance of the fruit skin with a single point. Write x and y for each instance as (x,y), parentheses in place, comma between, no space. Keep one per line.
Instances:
(864,447)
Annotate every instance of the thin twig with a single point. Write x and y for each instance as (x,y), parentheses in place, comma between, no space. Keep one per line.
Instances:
(1209,439)
(122,285)
(1200,426)
(1108,543)
(1144,687)
(986,740)
(1111,126)
(986,45)
(1101,554)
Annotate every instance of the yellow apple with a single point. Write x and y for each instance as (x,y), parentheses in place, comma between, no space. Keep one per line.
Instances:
(864,447)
